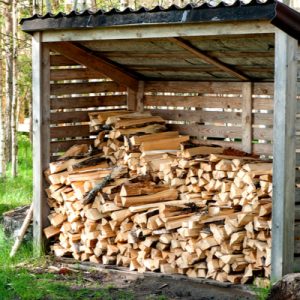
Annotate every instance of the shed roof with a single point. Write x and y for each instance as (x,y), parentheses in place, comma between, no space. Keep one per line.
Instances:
(277,13)
(212,57)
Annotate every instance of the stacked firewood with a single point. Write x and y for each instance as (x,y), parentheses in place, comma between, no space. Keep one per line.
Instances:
(147,199)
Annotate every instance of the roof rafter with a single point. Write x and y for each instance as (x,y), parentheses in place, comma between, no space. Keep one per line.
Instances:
(98,64)
(208,59)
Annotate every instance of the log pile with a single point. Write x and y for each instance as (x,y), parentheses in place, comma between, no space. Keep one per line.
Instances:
(147,199)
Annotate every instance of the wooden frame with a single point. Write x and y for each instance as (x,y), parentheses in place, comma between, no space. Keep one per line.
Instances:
(284,153)
(41,136)
(284,115)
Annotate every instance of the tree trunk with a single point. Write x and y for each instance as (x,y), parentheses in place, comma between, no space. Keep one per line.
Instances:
(8,78)
(14,142)
(48,6)
(2,124)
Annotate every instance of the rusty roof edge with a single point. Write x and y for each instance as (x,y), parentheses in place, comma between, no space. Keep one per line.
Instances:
(287,19)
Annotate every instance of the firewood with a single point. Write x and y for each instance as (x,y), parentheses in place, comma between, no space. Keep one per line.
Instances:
(51,231)
(201,150)
(166,195)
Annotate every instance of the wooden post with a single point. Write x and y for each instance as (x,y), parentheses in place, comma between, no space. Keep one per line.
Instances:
(135,99)
(284,155)
(247,117)
(41,136)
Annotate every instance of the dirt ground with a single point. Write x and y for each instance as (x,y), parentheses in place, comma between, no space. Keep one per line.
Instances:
(145,286)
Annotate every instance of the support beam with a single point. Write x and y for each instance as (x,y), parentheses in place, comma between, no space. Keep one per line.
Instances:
(41,137)
(247,117)
(95,63)
(135,99)
(207,58)
(159,31)
(284,155)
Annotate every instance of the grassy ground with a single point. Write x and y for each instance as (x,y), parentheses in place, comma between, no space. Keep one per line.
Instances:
(17,191)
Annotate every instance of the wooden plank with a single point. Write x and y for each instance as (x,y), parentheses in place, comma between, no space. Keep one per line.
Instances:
(263,149)
(193,87)
(96,63)
(62,146)
(71,116)
(90,101)
(262,119)
(70,131)
(160,31)
(199,116)
(60,60)
(207,130)
(247,117)
(59,89)
(284,155)
(41,137)
(262,133)
(70,74)
(193,101)
(207,58)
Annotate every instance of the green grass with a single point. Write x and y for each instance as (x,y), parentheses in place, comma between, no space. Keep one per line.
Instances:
(17,191)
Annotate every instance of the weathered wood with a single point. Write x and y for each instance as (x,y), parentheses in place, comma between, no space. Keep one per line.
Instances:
(96,63)
(41,136)
(131,99)
(207,58)
(284,155)
(157,31)
(140,96)
(59,89)
(65,145)
(247,117)
(85,102)
(70,74)
(70,131)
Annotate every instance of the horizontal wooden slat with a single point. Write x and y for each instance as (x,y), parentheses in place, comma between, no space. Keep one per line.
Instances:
(262,119)
(65,145)
(193,101)
(206,87)
(82,88)
(72,116)
(207,130)
(70,74)
(199,116)
(85,102)
(262,103)
(263,133)
(193,87)
(297,200)
(70,131)
(59,60)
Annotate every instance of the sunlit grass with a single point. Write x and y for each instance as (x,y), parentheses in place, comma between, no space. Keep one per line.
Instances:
(17,191)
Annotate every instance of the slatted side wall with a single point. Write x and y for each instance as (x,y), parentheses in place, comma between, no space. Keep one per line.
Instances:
(211,113)
(76,91)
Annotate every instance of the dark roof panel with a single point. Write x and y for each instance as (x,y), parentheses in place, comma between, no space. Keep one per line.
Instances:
(189,13)
(277,13)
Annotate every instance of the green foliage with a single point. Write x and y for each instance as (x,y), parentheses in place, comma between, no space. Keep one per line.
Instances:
(18,191)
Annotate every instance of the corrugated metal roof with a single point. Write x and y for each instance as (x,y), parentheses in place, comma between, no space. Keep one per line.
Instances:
(277,13)
(114,11)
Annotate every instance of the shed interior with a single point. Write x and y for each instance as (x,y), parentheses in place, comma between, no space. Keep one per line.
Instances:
(217,87)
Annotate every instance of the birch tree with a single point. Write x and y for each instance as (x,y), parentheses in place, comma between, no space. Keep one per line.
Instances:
(14,117)
(8,76)
(2,121)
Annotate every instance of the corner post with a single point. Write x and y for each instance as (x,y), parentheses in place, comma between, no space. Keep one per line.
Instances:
(41,137)
(284,155)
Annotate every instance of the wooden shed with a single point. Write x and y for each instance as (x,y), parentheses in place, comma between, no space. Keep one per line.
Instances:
(224,75)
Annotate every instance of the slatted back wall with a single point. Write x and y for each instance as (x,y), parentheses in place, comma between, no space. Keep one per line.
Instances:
(211,113)
(76,91)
